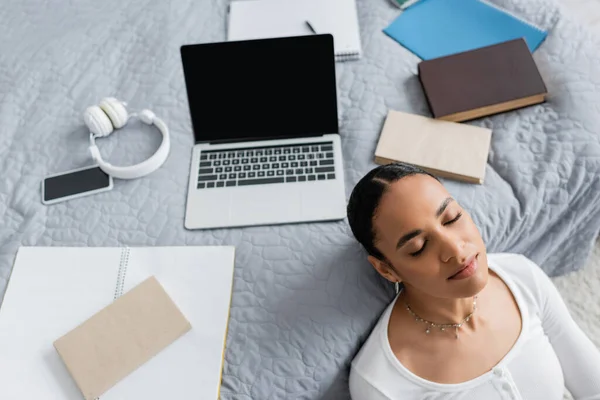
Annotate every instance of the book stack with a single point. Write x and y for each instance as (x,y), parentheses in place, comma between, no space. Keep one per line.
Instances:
(461,86)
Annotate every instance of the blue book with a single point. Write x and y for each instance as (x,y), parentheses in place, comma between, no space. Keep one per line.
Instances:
(437,28)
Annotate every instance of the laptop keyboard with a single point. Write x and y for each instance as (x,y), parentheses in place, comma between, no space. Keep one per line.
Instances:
(264,165)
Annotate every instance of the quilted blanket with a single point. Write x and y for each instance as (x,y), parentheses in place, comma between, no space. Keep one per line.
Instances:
(304,296)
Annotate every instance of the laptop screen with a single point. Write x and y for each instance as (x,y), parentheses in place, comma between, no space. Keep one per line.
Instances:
(261,89)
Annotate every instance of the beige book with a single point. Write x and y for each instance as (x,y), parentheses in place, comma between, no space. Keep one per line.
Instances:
(445,149)
(121,337)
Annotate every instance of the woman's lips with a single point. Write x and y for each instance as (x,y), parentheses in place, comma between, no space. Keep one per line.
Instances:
(467,271)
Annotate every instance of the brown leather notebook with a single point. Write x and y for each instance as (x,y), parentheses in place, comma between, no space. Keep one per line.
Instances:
(482,82)
(445,149)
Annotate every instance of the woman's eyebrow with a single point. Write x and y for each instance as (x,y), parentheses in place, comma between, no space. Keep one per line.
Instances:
(406,238)
(443,206)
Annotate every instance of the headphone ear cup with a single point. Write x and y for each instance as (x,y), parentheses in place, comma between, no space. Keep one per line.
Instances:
(115,110)
(97,121)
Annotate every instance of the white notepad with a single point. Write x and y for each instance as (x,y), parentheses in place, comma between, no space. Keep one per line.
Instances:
(258,19)
(52,290)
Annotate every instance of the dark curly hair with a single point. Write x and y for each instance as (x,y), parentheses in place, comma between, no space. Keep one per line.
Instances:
(365,199)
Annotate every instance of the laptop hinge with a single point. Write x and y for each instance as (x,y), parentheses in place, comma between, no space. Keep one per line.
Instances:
(257,139)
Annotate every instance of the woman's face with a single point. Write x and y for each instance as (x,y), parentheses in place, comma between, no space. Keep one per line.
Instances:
(427,237)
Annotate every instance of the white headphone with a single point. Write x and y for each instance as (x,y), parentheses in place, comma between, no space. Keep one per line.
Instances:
(111,114)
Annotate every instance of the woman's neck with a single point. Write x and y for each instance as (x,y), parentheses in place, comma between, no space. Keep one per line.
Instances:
(435,309)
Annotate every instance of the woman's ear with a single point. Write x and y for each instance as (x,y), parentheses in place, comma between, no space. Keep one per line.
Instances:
(384,269)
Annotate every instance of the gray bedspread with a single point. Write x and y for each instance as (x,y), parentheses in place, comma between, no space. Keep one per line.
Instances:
(304,296)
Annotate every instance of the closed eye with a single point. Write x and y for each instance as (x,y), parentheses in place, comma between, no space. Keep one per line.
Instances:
(418,252)
(454,220)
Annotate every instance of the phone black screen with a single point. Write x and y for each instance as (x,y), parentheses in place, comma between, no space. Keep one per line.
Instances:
(76,182)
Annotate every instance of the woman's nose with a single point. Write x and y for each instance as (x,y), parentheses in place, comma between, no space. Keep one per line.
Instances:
(452,246)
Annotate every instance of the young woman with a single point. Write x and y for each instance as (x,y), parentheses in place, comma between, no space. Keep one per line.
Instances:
(465,324)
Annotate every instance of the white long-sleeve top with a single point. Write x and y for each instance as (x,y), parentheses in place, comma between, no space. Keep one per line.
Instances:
(550,352)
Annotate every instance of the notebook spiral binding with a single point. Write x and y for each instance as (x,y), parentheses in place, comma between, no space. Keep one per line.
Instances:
(123,264)
(347,56)
(512,14)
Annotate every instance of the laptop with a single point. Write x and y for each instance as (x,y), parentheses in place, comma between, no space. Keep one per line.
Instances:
(267,145)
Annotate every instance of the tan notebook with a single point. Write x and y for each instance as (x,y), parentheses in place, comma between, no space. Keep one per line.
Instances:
(121,337)
(445,149)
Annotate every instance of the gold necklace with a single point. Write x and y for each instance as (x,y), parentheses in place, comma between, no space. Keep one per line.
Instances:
(442,327)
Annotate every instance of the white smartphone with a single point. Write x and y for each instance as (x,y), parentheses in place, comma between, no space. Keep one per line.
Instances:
(75,183)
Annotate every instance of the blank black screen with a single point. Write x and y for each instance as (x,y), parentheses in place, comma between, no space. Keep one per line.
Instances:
(75,182)
(270,88)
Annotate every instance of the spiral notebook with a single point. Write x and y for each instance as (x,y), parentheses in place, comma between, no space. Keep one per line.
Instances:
(259,19)
(53,290)
(437,28)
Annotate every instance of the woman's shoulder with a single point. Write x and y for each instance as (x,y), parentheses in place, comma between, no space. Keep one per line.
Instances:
(373,371)
(522,274)
(371,351)
(507,259)
(518,266)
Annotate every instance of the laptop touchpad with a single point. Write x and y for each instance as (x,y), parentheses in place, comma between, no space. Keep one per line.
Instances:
(266,204)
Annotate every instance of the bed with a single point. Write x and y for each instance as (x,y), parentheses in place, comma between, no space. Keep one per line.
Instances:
(304,296)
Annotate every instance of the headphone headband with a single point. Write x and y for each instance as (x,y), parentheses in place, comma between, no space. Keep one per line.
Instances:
(111,113)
